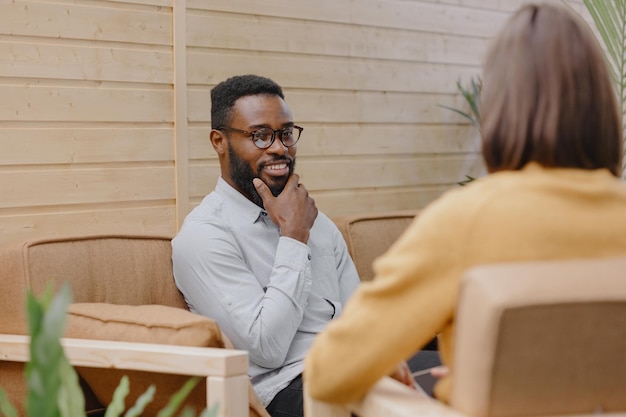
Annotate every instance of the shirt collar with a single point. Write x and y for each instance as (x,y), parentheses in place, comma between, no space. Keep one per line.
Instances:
(249,211)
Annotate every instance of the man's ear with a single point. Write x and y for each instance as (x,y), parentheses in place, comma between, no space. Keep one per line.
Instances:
(219,142)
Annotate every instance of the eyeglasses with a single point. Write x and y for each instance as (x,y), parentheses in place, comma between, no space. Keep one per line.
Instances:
(264,137)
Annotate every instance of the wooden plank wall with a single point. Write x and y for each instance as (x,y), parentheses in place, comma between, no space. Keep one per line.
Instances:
(105,108)
(86,138)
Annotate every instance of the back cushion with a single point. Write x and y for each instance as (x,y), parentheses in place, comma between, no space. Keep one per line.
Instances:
(555,359)
(541,338)
(369,236)
(108,269)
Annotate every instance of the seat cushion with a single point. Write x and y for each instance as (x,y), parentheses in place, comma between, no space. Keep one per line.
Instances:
(142,324)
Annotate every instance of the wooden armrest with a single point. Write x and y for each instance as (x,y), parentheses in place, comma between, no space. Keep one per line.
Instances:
(225,369)
(387,398)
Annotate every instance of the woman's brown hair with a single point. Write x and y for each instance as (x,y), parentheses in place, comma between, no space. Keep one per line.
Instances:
(548,95)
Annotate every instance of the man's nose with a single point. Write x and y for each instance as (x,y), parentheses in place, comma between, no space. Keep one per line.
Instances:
(277,146)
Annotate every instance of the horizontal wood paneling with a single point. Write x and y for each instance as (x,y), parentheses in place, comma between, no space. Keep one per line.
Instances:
(401,14)
(105,114)
(363,200)
(59,186)
(86,132)
(245,33)
(155,220)
(84,62)
(90,21)
(84,103)
(54,145)
(332,73)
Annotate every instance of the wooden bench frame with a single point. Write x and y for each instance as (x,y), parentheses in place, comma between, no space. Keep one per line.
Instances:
(225,370)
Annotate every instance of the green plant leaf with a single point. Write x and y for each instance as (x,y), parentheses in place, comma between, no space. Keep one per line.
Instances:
(141,403)
(467,180)
(71,399)
(472,97)
(177,399)
(117,405)
(187,412)
(609,17)
(6,408)
(46,316)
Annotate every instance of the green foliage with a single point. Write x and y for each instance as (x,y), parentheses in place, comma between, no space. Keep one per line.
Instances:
(467,180)
(52,382)
(53,385)
(609,17)
(472,97)
(178,398)
(6,408)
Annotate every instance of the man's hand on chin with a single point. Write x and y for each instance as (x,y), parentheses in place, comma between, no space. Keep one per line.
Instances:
(293,210)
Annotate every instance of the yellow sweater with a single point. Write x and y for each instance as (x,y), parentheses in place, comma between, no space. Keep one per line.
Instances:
(532,214)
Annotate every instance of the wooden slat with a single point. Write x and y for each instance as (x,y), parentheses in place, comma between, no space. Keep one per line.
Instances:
(75,21)
(388,172)
(364,139)
(346,202)
(429,17)
(180,112)
(64,220)
(334,73)
(77,62)
(171,359)
(159,3)
(54,145)
(95,104)
(351,107)
(232,31)
(82,186)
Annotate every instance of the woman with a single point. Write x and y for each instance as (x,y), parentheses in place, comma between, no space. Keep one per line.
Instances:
(552,144)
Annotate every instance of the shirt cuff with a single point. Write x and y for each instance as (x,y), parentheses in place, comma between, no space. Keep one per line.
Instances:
(293,253)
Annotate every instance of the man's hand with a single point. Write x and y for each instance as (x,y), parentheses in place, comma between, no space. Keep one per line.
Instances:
(293,210)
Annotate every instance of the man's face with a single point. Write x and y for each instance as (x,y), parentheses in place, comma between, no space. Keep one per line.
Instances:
(246,161)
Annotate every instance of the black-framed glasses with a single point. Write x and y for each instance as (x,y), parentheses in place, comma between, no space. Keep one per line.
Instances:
(264,137)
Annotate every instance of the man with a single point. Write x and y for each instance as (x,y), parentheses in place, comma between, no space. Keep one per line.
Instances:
(256,255)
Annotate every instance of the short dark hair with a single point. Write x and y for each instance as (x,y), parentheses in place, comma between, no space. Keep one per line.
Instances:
(548,95)
(225,94)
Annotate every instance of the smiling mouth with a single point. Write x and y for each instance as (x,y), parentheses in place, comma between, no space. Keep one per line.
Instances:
(276,167)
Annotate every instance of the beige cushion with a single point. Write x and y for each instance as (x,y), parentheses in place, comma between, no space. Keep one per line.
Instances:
(368,236)
(147,324)
(541,338)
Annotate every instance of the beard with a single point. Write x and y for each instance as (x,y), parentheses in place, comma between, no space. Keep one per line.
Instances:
(242,174)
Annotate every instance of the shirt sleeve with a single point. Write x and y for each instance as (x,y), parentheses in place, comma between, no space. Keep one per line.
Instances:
(210,271)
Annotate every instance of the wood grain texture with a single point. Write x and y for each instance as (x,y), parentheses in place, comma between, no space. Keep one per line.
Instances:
(225,370)
(105,110)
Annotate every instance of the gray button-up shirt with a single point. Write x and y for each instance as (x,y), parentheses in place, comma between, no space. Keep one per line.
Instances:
(269,294)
